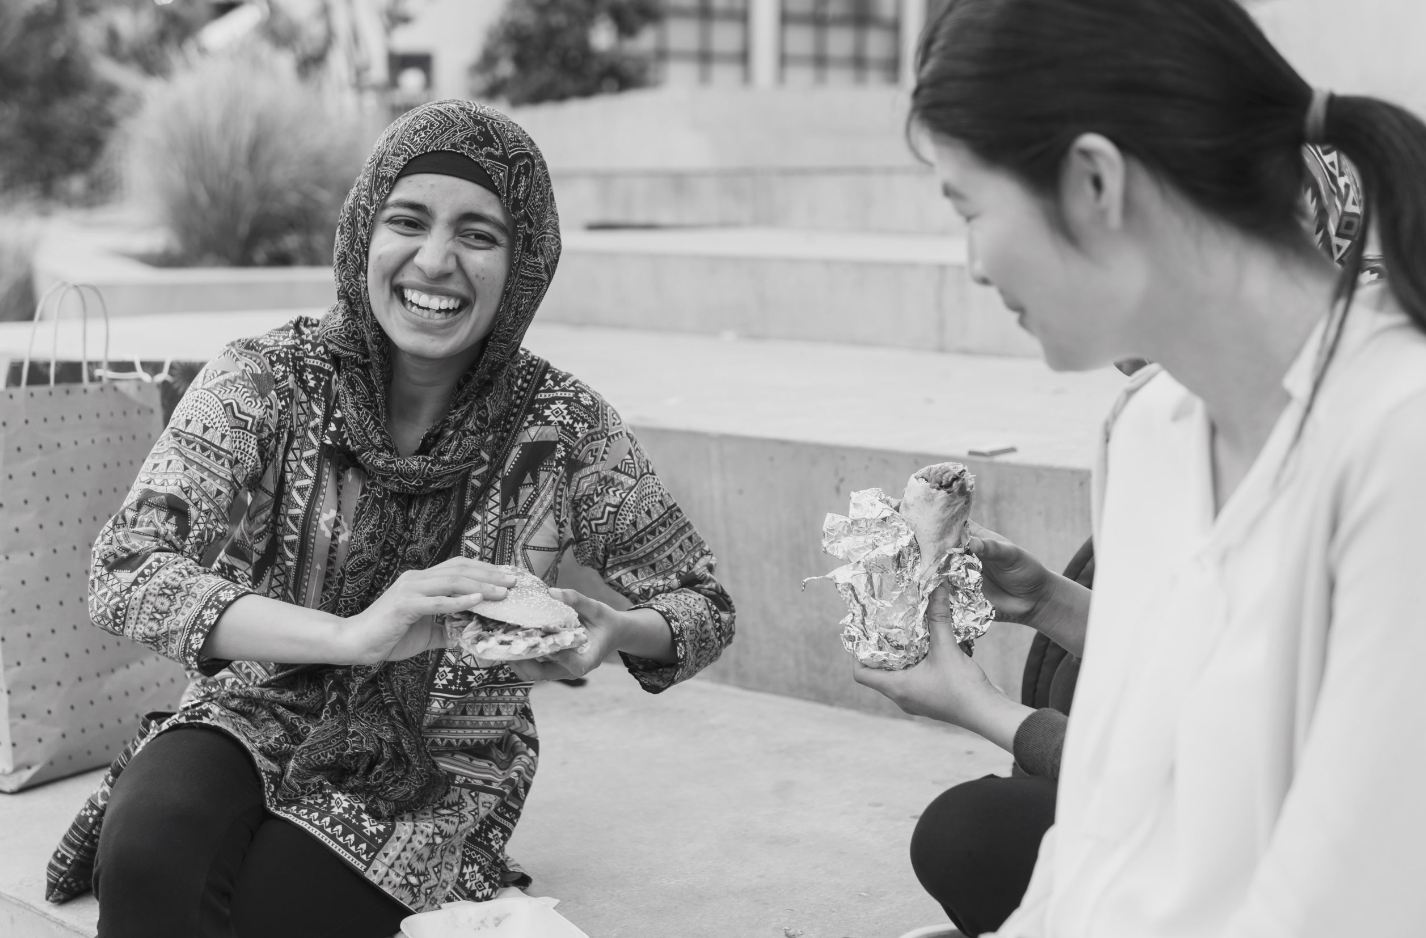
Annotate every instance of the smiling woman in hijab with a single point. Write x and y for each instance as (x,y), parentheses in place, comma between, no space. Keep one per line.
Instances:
(321,495)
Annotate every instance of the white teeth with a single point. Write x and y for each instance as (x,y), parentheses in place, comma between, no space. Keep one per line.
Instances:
(427,301)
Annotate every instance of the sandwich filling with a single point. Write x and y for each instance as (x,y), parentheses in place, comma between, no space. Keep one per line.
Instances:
(527,623)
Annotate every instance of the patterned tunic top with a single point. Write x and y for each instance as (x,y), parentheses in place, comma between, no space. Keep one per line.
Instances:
(241,495)
(276,476)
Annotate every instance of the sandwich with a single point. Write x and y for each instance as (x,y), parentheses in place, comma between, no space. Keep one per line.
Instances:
(527,623)
(901,555)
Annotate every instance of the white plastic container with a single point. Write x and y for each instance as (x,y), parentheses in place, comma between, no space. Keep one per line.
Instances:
(511,916)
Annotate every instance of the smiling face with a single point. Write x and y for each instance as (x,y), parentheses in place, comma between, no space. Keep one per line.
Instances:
(436,269)
(1077,297)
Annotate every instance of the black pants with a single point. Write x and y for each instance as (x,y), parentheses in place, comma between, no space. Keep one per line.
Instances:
(188,851)
(975,846)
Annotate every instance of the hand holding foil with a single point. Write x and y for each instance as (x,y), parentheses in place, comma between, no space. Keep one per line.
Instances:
(888,579)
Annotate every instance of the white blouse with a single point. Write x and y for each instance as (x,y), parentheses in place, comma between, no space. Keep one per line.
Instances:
(1248,746)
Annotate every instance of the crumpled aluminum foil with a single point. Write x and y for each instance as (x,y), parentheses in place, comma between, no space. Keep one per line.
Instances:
(887,591)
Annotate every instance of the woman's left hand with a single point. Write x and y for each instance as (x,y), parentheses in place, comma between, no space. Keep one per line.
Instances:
(606,628)
(948,685)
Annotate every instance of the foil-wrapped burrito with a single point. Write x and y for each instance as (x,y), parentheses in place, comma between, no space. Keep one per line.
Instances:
(896,554)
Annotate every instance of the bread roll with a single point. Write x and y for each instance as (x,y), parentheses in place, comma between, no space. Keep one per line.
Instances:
(527,623)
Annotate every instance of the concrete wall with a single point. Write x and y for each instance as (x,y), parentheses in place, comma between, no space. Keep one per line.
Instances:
(911,293)
(893,199)
(760,504)
(687,129)
(880,290)
(131,288)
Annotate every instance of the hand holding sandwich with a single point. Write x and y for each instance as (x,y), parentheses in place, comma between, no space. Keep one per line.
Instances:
(402,622)
(549,634)
(640,632)
(405,620)
(1024,590)
(948,685)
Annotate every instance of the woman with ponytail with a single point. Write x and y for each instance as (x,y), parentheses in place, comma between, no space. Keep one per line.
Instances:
(1245,747)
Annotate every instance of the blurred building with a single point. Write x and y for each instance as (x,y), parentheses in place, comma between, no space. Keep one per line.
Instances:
(432,52)
(767,43)
(727,43)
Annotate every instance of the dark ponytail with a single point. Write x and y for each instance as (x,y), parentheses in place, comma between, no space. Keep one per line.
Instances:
(1387,145)
(1194,91)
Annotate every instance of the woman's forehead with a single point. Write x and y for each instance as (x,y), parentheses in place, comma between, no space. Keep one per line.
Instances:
(960,172)
(442,196)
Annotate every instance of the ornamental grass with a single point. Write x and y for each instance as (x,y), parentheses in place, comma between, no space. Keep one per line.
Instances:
(244,163)
(19,233)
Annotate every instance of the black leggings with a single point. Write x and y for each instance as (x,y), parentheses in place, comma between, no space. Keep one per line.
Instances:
(975,846)
(188,851)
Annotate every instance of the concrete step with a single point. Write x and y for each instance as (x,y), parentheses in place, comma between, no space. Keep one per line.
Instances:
(691,833)
(759,440)
(105,251)
(907,291)
(718,128)
(871,199)
(834,158)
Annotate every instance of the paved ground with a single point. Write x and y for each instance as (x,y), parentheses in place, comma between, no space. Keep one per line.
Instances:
(706,811)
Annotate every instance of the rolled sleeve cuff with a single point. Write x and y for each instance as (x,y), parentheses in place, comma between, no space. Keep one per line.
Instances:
(214,596)
(684,624)
(1039,742)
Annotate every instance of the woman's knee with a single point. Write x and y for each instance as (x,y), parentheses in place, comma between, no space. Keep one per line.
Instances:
(185,802)
(183,784)
(975,846)
(954,829)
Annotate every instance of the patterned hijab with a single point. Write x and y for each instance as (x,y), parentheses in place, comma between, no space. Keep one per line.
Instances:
(455,446)
(363,724)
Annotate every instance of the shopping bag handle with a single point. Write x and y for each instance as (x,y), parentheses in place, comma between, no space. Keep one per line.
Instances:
(64,288)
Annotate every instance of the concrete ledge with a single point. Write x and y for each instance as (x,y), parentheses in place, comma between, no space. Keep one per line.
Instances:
(687,128)
(890,199)
(760,439)
(869,397)
(133,288)
(908,291)
(760,505)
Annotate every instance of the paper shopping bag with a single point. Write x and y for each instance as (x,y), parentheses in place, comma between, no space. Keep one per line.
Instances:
(72,694)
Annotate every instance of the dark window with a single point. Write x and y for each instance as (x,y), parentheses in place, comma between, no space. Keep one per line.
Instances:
(841,42)
(701,42)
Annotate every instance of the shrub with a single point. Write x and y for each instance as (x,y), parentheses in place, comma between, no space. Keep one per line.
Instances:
(142,36)
(55,110)
(19,233)
(244,163)
(548,50)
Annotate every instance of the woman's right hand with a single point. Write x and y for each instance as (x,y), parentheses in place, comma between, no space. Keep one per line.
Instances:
(403,622)
(1014,580)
